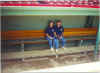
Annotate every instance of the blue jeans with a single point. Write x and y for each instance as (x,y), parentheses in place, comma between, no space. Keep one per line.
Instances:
(51,42)
(63,41)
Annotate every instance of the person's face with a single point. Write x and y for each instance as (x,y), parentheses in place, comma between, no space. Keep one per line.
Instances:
(58,24)
(51,24)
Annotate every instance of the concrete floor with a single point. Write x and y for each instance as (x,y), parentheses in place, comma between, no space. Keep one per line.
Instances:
(12,64)
(44,52)
(84,67)
(20,66)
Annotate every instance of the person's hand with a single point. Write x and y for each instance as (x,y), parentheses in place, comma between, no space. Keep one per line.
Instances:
(59,37)
(51,38)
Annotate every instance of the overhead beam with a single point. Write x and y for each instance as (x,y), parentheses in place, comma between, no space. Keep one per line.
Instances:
(20,11)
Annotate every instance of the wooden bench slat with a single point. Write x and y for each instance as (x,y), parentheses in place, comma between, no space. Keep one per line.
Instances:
(28,34)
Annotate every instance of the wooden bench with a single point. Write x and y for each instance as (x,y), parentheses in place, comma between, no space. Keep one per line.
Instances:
(26,36)
(23,37)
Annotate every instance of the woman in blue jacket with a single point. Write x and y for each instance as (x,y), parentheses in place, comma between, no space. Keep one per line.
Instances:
(50,35)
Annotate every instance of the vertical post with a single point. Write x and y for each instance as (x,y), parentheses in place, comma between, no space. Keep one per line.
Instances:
(96,51)
(89,21)
(99,42)
(81,42)
(22,48)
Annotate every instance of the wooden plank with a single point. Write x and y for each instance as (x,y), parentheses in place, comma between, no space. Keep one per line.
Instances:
(29,34)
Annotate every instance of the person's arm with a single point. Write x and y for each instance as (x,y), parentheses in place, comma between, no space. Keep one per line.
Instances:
(48,36)
(55,34)
(62,33)
(47,31)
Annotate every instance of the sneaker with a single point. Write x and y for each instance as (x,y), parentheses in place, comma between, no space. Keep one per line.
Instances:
(56,50)
(52,49)
(63,48)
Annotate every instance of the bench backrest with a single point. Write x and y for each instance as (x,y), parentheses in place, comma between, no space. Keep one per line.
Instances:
(29,34)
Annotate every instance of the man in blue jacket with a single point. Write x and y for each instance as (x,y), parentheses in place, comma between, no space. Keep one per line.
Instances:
(59,34)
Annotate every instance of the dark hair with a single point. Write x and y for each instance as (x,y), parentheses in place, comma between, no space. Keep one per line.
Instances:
(58,21)
(50,22)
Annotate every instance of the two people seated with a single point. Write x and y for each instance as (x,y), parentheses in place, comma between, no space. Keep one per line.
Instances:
(54,33)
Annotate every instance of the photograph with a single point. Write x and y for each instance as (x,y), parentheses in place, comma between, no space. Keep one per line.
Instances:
(50,36)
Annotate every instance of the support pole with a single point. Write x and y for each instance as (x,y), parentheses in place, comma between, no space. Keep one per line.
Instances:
(99,42)
(89,21)
(22,48)
(96,50)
